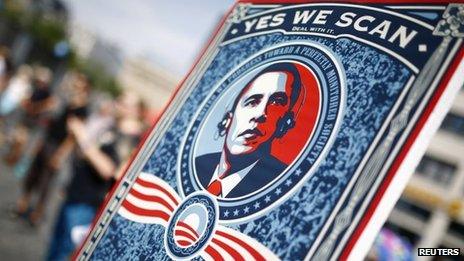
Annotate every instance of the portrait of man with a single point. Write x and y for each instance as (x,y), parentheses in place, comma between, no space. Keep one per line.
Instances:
(262,112)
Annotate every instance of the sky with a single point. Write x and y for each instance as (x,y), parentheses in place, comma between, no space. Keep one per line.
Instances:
(169,32)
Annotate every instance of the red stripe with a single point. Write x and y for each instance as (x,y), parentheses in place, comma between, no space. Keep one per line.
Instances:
(145,212)
(214,253)
(157,187)
(151,198)
(180,238)
(184,243)
(235,255)
(185,234)
(189,232)
(248,248)
(182,224)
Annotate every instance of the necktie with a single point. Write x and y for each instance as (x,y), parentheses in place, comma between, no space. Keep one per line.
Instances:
(215,188)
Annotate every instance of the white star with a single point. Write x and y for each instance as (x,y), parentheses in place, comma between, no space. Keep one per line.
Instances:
(288,182)
(187,189)
(267,199)
(236,212)
(246,210)
(256,205)
(226,213)
(298,172)
(278,191)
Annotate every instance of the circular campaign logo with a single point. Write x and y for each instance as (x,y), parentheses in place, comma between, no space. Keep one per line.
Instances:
(263,129)
(191,226)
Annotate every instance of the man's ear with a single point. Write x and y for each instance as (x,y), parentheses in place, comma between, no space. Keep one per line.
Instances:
(224,125)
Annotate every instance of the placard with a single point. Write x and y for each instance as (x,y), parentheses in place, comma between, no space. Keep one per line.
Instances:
(293,135)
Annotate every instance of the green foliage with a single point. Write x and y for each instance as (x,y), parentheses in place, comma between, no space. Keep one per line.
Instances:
(45,31)
(11,16)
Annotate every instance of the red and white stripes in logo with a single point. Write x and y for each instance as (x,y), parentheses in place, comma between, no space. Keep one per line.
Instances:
(152,201)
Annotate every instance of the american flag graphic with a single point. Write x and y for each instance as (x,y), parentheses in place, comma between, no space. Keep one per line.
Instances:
(152,201)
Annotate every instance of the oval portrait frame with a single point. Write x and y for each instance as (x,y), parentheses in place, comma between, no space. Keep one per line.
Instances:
(331,83)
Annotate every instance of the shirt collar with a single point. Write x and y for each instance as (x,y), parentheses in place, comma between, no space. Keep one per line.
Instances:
(231,181)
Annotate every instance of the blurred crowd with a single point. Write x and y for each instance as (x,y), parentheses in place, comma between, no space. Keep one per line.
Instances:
(50,127)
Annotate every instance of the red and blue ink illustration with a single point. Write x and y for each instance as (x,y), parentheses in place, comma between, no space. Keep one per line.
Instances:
(273,143)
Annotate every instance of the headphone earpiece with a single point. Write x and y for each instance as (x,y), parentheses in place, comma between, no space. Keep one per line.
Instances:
(284,124)
(223,125)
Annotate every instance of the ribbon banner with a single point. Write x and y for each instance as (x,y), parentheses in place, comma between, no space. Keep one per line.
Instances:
(153,201)
(292,137)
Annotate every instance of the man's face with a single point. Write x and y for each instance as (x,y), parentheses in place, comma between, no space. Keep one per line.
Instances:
(254,120)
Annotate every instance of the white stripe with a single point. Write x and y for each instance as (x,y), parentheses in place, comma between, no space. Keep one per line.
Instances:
(177,238)
(140,219)
(155,180)
(186,230)
(262,250)
(223,253)
(154,192)
(148,205)
(240,249)
(206,256)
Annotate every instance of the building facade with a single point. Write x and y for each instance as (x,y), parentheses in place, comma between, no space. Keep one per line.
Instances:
(430,212)
(154,84)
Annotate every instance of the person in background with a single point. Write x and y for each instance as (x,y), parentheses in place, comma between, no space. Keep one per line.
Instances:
(94,161)
(15,93)
(18,89)
(107,141)
(41,100)
(130,120)
(37,110)
(51,151)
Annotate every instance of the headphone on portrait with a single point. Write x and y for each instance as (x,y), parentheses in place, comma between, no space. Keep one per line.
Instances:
(284,124)
(287,122)
(224,124)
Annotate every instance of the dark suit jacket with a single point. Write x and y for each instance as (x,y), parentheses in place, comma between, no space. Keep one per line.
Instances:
(265,170)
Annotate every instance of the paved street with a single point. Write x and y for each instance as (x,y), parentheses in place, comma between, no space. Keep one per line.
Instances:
(19,240)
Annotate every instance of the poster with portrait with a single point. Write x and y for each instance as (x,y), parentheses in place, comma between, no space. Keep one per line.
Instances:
(293,135)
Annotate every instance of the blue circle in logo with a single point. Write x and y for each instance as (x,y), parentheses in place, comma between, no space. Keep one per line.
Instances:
(191,227)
